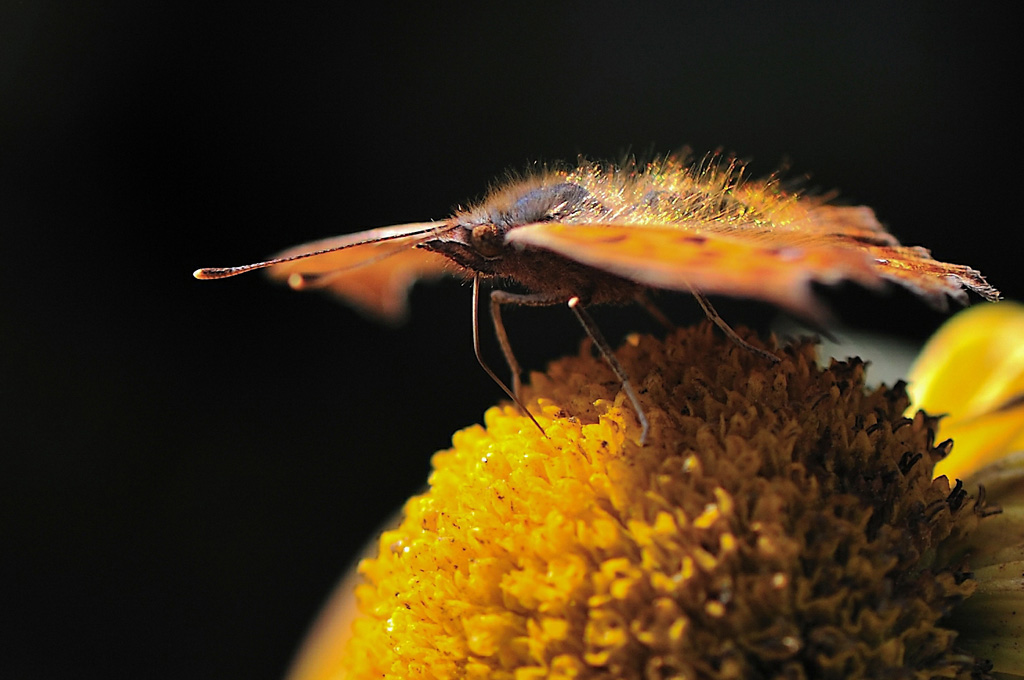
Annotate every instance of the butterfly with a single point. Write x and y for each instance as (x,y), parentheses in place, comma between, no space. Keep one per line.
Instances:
(598,233)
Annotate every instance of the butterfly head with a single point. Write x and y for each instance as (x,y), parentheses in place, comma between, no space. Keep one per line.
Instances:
(476,247)
(479,239)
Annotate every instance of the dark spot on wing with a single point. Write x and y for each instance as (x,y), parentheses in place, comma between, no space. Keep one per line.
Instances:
(693,238)
(614,237)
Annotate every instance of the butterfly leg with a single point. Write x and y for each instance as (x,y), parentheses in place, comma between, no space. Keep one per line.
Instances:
(503,297)
(513,393)
(713,315)
(592,330)
(648,304)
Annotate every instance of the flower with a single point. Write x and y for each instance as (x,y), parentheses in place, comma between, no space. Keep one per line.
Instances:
(973,371)
(781,521)
(991,622)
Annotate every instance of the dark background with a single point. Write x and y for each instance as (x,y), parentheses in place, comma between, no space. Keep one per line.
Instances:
(187,467)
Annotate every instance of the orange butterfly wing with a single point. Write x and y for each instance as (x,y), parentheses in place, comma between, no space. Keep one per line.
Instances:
(914,268)
(375,277)
(774,262)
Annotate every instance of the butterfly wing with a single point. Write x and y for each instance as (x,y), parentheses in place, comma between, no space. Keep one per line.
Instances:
(808,221)
(371,270)
(914,268)
(776,264)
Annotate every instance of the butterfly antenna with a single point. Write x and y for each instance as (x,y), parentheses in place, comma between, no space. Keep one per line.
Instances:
(209,273)
(595,334)
(299,281)
(715,318)
(480,359)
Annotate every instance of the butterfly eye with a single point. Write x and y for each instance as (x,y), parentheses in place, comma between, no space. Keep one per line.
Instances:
(487,240)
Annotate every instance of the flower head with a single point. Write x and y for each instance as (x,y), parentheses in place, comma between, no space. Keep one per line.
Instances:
(782,521)
(972,371)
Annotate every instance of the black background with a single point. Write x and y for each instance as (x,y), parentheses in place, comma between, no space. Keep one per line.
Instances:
(188,466)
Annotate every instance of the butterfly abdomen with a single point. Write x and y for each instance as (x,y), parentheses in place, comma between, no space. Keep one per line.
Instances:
(541,271)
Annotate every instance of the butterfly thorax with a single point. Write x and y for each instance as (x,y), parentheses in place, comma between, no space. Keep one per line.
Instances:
(479,244)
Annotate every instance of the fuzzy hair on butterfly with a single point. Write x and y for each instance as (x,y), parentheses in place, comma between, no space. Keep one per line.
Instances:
(608,230)
(599,233)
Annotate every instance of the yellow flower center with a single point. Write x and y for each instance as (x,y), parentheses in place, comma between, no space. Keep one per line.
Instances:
(782,521)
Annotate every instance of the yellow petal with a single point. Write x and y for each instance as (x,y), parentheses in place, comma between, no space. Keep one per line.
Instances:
(973,370)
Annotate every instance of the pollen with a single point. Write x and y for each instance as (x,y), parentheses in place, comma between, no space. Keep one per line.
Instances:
(782,521)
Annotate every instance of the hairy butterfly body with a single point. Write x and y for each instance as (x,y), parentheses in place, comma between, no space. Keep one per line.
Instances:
(599,233)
